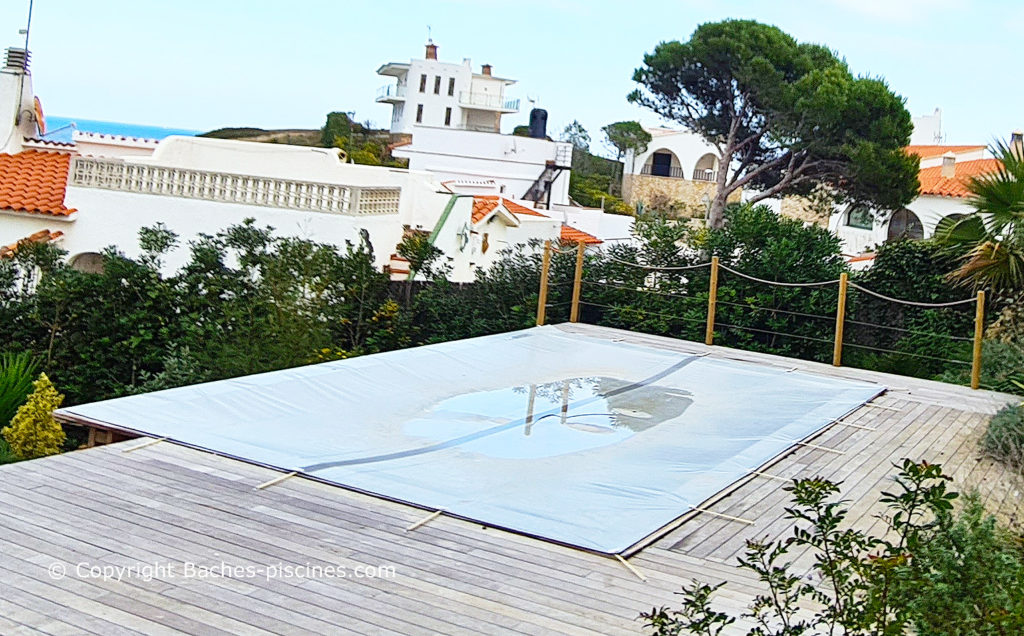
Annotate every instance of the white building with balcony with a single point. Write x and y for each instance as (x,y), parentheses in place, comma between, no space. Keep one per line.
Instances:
(429,92)
(676,172)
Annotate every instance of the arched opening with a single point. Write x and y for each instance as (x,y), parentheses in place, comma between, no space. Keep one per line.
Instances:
(905,224)
(663,163)
(859,216)
(706,168)
(88,262)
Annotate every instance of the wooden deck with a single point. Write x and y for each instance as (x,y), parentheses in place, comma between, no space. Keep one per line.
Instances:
(168,505)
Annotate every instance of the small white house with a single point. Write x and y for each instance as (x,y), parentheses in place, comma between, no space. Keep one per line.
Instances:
(944,173)
(433,93)
(678,169)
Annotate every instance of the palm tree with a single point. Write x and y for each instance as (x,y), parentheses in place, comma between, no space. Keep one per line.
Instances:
(992,241)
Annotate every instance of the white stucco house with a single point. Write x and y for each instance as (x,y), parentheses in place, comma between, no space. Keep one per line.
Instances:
(98,191)
(678,169)
(944,173)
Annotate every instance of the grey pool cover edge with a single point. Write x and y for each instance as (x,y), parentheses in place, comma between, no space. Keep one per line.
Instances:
(609,498)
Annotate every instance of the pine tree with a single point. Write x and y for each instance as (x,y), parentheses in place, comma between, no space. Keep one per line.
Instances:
(33,431)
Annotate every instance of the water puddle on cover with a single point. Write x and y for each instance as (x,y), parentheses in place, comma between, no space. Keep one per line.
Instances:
(545,420)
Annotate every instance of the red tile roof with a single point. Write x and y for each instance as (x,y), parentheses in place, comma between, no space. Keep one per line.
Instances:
(484,205)
(926,152)
(572,236)
(34,181)
(42,236)
(933,183)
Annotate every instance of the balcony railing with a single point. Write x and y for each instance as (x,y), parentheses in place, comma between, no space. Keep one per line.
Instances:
(115,174)
(700,174)
(672,172)
(490,102)
(391,92)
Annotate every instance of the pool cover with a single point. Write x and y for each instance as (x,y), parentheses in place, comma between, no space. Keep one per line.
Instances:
(571,438)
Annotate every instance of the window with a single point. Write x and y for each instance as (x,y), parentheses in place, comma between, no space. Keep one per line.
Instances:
(437,84)
(419,113)
(905,224)
(448,116)
(859,216)
(423,83)
(451,86)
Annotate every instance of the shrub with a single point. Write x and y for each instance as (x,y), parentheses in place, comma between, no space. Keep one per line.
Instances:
(1004,438)
(16,373)
(934,571)
(33,431)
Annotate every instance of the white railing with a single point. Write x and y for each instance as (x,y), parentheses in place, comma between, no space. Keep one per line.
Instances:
(483,100)
(114,174)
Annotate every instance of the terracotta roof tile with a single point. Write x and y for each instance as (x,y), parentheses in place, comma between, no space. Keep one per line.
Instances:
(42,236)
(926,152)
(572,236)
(484,205)
(35,182)
(933,183)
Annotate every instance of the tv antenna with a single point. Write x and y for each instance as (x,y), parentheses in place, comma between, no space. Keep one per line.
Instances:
(430,39)
(28,25)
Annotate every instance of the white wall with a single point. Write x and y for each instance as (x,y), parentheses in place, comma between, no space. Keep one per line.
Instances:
(929,210)
(687,147)
(513,162)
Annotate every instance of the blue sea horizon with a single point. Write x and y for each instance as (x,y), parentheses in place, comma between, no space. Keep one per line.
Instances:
(59,129)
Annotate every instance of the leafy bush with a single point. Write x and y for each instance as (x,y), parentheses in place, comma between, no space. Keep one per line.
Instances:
(934,571)
(1002,367)
(1004,438)
(16,373)
(33,432)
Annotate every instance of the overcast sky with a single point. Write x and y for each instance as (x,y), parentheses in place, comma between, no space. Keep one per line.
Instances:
(275,64)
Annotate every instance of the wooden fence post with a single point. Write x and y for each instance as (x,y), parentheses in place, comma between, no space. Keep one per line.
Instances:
(837,348)
(542,296)
(574,314)
(709,332)
(979,331)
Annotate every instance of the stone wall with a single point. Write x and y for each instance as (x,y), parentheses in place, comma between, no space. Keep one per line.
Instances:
(684,197)
(815,208)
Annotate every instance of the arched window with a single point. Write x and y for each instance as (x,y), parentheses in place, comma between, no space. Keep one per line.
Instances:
(88,262)
(860,217)
(905,224)
(663,163)
(706,168)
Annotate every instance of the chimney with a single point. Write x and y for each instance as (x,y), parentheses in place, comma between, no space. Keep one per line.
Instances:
(948,170)
(431,50)
(1017,143)
(17,102)
(486,69)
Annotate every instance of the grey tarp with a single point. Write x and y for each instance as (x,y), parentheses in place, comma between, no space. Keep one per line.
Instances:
(567,437)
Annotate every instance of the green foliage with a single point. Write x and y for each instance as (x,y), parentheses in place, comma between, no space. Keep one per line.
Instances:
(934,571)
(592,191)
(423,256)
(751,314)
(522,130)
(363,144)
(1002,367)
(337,126)
(787,116)
(16,373)
(577,135)
(503,298)
(33,432)
(913,271)
(993,240)
(626,135)
(246,301)
(1004,438)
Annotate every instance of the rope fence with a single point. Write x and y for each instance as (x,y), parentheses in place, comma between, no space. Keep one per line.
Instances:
(729,307)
